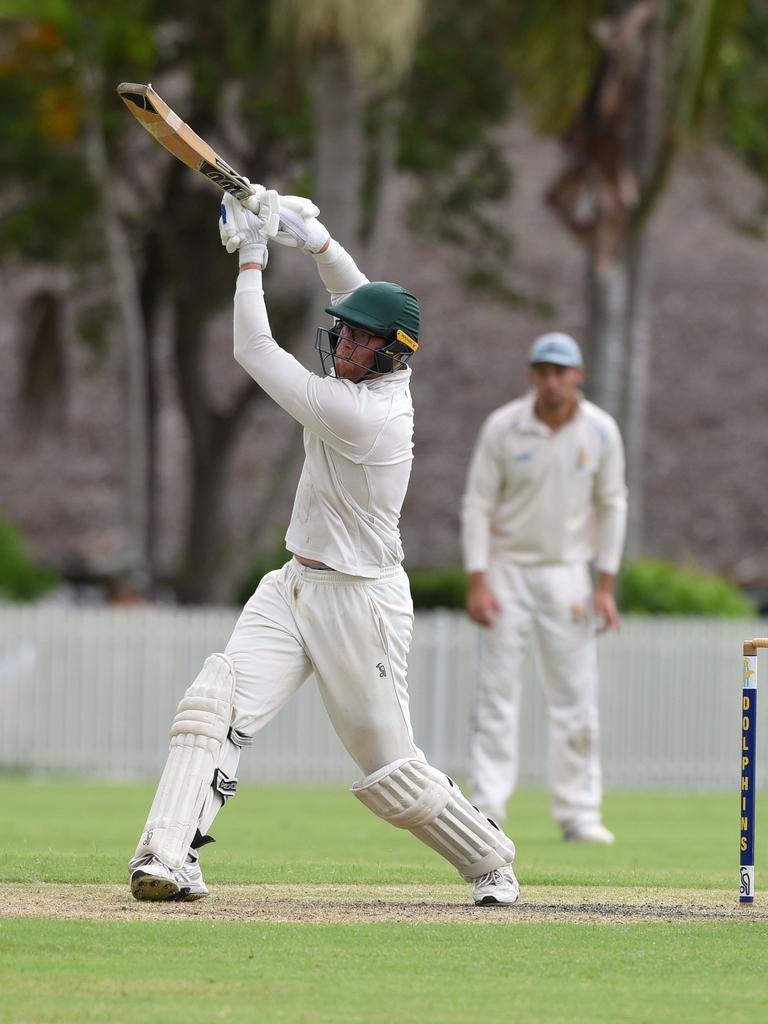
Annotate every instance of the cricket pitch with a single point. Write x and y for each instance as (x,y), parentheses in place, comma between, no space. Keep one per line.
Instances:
(323,904)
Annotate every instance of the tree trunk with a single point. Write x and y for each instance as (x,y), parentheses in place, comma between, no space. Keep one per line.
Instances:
(608,294)
(134,562)
(618,348)
(338,102)
(614,152)
(204,542)
(212,431)
(636,399)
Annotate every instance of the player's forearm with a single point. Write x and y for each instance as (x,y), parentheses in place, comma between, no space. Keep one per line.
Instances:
(278,372)
(612,525)
(606,582)
(338,271)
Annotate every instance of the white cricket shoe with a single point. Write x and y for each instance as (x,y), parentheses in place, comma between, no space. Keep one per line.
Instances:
(595,833)
(497,888)
(153,880)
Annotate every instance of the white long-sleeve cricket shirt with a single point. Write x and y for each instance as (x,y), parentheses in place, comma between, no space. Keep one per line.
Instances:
(540,496)
(358,438)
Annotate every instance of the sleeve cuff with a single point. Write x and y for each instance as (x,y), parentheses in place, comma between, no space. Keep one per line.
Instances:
(330,255)
(249,281)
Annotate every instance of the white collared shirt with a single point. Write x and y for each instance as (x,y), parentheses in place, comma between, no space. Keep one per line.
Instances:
(540,496)
(358,438)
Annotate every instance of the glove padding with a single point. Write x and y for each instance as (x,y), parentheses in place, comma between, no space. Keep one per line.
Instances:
(247,230)
(299,226)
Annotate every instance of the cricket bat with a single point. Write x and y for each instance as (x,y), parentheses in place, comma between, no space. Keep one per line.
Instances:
(151,111)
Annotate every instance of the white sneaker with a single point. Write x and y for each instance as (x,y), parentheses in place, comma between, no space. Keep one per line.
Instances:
(153,880)
(497,888)
(595,833)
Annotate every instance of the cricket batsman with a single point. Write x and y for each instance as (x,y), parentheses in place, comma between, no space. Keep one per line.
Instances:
(341,607)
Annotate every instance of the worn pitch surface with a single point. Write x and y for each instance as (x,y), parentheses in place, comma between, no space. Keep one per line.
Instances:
(366,903)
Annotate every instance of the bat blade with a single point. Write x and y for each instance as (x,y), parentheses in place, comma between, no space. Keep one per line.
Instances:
(167,128)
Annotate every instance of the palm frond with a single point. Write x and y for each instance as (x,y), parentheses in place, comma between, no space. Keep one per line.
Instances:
(379,35)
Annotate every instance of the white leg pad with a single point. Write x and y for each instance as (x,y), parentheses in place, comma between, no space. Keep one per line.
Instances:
(198,733)
(411,794)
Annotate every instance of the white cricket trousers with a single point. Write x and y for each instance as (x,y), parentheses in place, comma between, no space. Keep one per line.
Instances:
(353,633)
(550,605)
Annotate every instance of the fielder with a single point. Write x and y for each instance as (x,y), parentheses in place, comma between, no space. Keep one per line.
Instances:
(341,607)
(545,496)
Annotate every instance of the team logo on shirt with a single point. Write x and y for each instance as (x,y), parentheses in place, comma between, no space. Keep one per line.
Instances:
(382,670)
(582,459)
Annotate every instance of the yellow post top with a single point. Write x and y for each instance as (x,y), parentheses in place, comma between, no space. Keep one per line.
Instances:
(751,647)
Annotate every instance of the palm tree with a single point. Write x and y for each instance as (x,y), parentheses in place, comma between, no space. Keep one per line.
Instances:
(353,50)
(653,67)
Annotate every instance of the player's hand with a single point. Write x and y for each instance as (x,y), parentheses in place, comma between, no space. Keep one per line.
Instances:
(606,612)
(246,231)
(299,226)
(482,604)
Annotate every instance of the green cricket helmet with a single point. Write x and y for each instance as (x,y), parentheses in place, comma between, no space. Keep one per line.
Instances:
(382,310)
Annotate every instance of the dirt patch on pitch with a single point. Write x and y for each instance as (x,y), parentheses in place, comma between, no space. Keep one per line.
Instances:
(322,904)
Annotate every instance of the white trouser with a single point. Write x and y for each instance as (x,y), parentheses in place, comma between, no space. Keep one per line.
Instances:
(552,605)
(353,633)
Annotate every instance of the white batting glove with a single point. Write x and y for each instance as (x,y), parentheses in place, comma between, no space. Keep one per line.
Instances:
(247,232)
(299,226)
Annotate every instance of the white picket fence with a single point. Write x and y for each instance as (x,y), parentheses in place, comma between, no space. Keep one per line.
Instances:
(93,691)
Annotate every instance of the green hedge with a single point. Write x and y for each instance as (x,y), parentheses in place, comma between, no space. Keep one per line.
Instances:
(21,578)
(663,588)
(263,562)
(438,588)
(645,588)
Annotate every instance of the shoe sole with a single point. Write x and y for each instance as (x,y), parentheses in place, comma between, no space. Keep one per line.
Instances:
(185,895)
(151,888)
(491,901)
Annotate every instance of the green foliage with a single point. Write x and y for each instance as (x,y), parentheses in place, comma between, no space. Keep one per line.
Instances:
(460,90)
(460,85)
(651,587)
(21,578)
(263,562)
(50,200)
(430,588)
(744,90)
(555,55)
(662,588)
(438,588)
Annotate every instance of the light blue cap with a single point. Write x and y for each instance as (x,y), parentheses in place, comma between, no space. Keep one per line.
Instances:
(557,348)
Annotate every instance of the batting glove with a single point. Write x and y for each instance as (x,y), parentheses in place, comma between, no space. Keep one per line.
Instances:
(246,231)
(299,226)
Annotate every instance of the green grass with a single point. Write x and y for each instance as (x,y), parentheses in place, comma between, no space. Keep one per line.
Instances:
(188,970)
(85,832)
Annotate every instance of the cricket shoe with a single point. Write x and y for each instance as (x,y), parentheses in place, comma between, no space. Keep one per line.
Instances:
(152,880)
(595,833)
(497,888)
